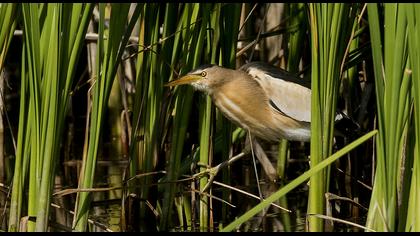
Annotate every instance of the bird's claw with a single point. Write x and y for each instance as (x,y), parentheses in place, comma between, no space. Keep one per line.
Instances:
(212,172)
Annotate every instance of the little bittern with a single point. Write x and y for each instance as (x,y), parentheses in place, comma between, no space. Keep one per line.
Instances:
(269,102)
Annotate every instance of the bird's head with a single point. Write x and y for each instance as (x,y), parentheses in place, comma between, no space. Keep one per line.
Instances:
(204,78)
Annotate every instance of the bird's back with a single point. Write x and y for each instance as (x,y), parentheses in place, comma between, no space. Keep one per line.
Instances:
(275,72)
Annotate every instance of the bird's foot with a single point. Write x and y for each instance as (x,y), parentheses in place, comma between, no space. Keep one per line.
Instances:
(212,172)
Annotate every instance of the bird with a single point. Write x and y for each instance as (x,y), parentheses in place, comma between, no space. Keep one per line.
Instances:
(269,102)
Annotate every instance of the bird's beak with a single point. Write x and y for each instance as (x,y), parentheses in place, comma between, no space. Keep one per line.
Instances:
(188,79)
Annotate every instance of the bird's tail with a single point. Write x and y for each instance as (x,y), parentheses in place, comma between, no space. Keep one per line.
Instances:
(346,126)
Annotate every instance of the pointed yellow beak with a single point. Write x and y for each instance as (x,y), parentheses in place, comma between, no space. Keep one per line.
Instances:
(188,79)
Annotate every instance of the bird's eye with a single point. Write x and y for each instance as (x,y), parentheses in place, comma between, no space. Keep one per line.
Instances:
(203,74)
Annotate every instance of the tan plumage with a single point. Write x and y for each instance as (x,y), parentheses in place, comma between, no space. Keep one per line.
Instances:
(269,102)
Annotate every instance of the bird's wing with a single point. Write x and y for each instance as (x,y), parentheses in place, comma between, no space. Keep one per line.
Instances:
(288,95)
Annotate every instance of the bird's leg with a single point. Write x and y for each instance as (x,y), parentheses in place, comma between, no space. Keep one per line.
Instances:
(253,146)
(214,170)
(267,166)
(251,140)
(264,161)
